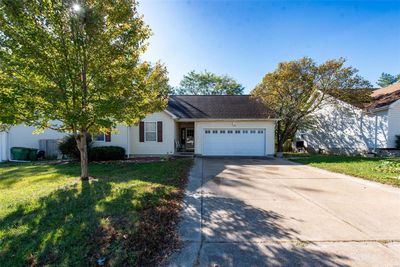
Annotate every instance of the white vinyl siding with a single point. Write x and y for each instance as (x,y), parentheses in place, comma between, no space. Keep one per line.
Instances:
(3,146)
(394,123)
(24,136)
(167,146)
(344,129)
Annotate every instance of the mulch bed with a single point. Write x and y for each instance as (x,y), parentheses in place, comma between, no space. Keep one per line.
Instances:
(144,159)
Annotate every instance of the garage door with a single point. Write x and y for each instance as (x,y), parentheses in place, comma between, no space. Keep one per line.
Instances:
(234,142)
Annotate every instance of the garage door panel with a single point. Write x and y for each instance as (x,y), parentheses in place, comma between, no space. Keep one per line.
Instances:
(248,142)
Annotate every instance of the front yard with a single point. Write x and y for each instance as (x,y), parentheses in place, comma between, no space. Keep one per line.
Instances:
(125,216)
(383,170)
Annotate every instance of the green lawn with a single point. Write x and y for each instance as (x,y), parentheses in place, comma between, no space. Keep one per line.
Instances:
(384,170)
(125,216)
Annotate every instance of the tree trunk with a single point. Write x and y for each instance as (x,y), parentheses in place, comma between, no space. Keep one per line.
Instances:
(82,146)
(279,138)
(280,145)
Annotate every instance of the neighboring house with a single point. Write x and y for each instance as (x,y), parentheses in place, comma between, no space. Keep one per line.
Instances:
(203,125)
(346,129)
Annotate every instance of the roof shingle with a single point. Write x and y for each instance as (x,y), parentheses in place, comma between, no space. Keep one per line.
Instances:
(218,107)
(385,96)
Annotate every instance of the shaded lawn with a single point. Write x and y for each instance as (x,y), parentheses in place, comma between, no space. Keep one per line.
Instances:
(384,170)
(125,216)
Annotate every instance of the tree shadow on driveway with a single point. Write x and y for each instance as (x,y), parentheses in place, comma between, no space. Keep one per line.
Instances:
(220,229)
(238,234)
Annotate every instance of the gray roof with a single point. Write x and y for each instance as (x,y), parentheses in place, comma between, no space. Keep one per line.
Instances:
(218,107)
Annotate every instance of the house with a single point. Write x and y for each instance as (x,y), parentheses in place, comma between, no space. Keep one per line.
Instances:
(202,125)
(343,128)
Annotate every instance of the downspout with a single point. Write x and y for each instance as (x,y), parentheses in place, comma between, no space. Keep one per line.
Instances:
(128,128)
(8,152)
(376,133)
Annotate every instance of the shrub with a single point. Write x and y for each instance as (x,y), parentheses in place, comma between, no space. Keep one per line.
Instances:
(103,153)
(398,141)
(69,147)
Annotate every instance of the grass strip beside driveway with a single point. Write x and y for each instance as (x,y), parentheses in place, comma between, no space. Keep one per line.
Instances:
(383,170)
(125,216)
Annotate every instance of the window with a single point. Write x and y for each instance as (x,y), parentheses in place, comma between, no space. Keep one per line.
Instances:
(260,131)
(100,137)
(150,131)
(252,132)
(229,131)
(215,131)
(207,131)
(222,131)
(245,131)
(237,132)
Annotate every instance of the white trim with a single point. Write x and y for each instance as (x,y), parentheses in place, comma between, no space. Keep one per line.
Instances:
(171,114)
(156,131)
(374,110)
(227,119)
(128,145)
(376,133)
(100,141)
(4,146)
(397,102)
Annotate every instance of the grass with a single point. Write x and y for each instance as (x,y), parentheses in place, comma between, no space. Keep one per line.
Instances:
(383,170)
(125,216)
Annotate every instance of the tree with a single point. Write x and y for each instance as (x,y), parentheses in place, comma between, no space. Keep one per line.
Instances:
(74,66)
(387,79)
(207,83)
(298,88)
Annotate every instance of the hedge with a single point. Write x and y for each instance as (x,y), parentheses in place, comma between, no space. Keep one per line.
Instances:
(104,153)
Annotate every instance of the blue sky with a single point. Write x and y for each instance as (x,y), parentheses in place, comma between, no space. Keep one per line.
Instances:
(247,39)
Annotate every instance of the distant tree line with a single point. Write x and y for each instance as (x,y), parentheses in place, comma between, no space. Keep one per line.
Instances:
(387,79)
(208,83)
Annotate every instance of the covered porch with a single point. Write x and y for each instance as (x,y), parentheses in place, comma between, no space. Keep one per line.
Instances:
(185,138)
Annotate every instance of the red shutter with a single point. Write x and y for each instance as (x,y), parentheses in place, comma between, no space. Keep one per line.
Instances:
(159,131)
(141,131)
(108,137)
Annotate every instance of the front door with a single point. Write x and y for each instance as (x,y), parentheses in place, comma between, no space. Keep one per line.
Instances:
(189,139)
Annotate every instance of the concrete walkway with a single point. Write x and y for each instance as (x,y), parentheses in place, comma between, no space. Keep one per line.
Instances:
(260,212)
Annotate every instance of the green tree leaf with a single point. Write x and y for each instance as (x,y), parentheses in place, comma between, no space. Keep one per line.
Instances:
(207,83)
(387,79)
(298,88)
(75,66)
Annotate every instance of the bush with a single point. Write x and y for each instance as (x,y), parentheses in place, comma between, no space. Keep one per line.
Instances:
(103,153)
(398,141)
(69,147)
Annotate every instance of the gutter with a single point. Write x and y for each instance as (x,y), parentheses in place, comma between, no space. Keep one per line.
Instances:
(227,119)
(128,131)
(375,110)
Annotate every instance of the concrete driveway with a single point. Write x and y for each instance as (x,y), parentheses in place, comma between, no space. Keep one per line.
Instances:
(270,212)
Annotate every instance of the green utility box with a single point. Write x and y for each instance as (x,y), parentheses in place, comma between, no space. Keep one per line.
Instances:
(19,153)
(32,155)
(23,153)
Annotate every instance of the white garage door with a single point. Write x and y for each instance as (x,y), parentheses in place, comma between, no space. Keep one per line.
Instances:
(234,142)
